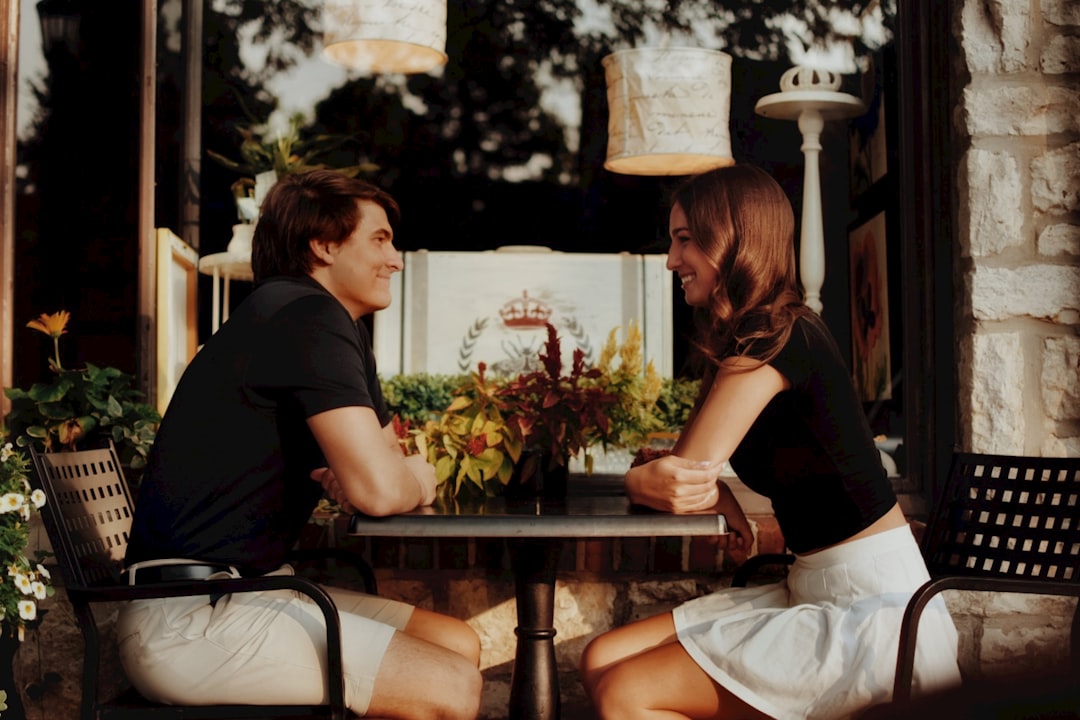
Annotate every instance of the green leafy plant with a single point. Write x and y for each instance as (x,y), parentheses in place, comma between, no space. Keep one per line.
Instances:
(81,406)
(24,581)
(418,397)
(676,399)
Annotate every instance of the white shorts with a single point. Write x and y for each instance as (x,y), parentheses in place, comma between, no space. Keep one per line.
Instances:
(822,643)
(254,648)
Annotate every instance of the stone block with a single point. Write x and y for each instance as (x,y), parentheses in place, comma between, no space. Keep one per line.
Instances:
(992,367)
(1059,239)
(999,109)
(1012,646)
(980,38)
(1061,55)
(1060,381)
(1055,174)
(989,222)
(1063,13)
(1040,291)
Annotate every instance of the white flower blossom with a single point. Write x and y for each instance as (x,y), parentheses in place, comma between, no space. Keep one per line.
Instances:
(38,498)
(23,583)
(27,609)
(6,452)
(39,589)
(11,502)
(43,572)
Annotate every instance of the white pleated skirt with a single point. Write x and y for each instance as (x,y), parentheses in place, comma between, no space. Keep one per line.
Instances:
(823,643)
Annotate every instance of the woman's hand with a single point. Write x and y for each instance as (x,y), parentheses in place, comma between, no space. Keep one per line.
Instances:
(742,537)
(674,484)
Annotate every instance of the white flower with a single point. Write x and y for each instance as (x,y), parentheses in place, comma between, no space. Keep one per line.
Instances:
(39,589)
(27,609)
(6,452)
(43,572)
(11,502)
(25,512)
(38,498)
(23,583)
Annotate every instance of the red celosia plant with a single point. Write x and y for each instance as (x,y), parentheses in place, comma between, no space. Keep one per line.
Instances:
(557,414)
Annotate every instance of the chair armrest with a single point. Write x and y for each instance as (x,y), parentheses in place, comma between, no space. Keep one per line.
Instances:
(224,586)
(909,627)
(753,565)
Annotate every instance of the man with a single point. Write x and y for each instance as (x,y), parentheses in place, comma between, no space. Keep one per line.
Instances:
(281,405)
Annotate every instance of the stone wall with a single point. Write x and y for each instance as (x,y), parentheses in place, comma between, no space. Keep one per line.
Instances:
(1017,122)
(1018,199)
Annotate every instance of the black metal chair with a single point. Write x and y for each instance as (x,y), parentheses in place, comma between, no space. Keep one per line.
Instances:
(1002,524)
(88,516)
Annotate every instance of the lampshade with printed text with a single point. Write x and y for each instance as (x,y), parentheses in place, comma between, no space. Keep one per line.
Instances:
(668,110)
(385,36)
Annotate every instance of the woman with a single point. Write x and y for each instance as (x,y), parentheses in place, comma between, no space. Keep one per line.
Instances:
(778,401)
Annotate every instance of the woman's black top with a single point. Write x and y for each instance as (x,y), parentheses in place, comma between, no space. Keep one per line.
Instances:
(811,451)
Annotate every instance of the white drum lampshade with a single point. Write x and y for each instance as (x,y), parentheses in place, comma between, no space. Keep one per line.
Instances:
(375,36)
(668,111)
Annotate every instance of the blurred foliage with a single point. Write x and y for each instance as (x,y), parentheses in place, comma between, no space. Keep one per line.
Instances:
(419,397)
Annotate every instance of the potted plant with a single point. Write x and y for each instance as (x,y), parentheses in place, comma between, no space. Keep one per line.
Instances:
(266,156)
(500,432)
(24,581)
(87,406)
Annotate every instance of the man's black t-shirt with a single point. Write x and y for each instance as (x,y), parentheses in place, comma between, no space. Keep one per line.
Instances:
(228,475)
(810,451)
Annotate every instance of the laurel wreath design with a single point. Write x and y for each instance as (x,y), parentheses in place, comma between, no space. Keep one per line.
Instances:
(468,344)
(582,340)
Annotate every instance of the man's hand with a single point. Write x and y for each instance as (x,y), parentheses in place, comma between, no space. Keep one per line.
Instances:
(424,473)
(325,477)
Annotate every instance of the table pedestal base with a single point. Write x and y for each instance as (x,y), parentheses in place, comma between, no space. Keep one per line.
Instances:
(534,561)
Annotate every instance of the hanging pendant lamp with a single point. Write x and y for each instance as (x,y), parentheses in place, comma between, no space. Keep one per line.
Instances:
(668,110)
(376,36)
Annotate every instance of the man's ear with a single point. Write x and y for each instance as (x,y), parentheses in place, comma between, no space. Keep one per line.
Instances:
(321,251)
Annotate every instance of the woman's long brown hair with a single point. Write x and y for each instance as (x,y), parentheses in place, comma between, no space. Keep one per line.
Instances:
(742,220)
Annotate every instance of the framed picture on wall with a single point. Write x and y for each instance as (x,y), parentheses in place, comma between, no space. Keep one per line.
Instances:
(177,336)
(871,363)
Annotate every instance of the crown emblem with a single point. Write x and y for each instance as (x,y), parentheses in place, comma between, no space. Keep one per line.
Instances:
(525,312)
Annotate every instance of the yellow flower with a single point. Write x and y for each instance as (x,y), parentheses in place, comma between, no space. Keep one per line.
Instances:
(53,325)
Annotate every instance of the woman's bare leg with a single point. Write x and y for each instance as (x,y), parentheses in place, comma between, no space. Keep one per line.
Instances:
(623,642)
(445,631)
(641,671)
(665,683)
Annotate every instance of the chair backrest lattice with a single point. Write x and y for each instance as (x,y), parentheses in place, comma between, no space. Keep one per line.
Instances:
(88,512)
(1010,517)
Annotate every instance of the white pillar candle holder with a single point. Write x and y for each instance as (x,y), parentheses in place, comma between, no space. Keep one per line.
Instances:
(811,97)
(668,111)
